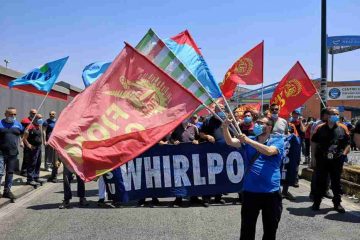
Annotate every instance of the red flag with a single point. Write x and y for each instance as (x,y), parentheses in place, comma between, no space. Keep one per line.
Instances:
(129,109)
(293,90)
(247,107)
(248,70)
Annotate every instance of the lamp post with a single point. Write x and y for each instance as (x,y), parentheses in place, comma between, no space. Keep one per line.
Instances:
(323,81)
(6,62)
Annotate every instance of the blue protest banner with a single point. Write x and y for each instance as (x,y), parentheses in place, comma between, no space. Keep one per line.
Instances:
(178,171)
(291,159)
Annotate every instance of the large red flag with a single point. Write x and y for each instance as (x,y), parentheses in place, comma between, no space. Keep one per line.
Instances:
(293,90)
(129,109)
(248,70)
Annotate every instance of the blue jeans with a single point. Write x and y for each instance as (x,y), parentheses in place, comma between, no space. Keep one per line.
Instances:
(7,165)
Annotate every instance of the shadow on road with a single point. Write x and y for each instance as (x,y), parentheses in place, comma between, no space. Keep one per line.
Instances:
(88,193)
(308,212)
(301,199)
(132,204)
(347,217)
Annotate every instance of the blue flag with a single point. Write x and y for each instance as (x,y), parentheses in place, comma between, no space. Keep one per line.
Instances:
(93,71)
(185,48)
(43,78)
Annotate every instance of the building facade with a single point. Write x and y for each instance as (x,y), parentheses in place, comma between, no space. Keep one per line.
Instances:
(23,98)
(342,94)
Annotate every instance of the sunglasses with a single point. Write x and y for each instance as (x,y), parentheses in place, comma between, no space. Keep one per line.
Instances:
(274,109)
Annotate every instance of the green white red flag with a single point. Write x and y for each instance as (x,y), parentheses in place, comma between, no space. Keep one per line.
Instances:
(156,50)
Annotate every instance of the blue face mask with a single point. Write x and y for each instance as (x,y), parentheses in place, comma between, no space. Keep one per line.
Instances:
(258,129)
(291,119)
(221,115)
(334,118)
(247,119)
(274,115)
(40,122)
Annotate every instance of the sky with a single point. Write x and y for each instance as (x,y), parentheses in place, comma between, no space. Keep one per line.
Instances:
(35,32)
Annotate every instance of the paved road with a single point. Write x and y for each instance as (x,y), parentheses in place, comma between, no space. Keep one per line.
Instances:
(36,216)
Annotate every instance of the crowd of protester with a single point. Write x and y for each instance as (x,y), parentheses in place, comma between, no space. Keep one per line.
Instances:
(324,143)
(30,134)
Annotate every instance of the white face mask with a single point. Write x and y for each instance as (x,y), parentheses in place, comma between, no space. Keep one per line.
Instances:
(10,119)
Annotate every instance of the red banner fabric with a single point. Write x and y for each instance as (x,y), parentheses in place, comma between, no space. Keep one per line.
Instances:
(247,107)
(293,90)
(129,109)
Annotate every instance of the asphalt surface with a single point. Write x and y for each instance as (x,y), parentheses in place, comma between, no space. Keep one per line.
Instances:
(36,216)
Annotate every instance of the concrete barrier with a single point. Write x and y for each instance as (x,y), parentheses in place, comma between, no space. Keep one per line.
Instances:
(350,179)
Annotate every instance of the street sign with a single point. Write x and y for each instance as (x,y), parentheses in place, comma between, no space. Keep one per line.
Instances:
(341,44)
(343,93)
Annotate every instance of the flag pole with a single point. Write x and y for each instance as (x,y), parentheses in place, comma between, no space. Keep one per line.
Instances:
(262,97)
(322,102)
(232,128)
(41,104)
(231,113)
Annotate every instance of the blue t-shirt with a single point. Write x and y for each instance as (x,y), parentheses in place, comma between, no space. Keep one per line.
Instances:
(9,136)
(264,174)
(49,124)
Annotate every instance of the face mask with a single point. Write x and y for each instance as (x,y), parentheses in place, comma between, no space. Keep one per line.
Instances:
(291,119)
(10,119)
(258,129)
(247,119)
(221,115)
(274,115)
(334,118)
(39,122)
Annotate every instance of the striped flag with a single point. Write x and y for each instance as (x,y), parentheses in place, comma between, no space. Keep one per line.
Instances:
(156,50)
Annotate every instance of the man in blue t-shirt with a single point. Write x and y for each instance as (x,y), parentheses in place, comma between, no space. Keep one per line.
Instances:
(261,182)
(10,132)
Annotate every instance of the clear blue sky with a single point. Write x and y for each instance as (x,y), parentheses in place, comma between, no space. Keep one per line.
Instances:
(35,32)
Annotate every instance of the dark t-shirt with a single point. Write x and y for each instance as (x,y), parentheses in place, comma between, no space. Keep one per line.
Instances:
(330,140)
(298,128)
(248,130)
(34,135)
(212,126)
(357,127)
(49,124)
(9,137)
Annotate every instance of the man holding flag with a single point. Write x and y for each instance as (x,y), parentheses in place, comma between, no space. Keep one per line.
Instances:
(261,183)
